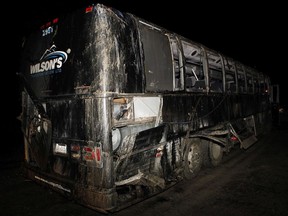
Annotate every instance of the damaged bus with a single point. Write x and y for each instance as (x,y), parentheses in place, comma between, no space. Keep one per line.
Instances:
(116,109)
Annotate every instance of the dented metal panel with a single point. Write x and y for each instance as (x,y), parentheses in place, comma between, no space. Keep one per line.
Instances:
(147,106)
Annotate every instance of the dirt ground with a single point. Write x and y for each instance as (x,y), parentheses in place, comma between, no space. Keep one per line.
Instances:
(248,183)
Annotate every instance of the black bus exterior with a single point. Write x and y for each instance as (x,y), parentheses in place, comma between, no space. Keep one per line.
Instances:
(116,109)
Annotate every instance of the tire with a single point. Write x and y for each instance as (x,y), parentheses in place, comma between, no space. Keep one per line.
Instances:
(193,160)
(215,154)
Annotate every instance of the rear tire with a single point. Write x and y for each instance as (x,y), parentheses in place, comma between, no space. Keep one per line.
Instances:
(215,154)
(192,160)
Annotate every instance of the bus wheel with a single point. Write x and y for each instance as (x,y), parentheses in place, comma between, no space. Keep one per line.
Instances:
(215,152)
(192,160)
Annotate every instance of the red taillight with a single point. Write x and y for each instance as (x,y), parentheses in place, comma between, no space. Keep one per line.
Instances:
(88,153)
(93,154)
(87,149)
(55,20)
(88,9)
(98,154)
(233,138)
(75,148)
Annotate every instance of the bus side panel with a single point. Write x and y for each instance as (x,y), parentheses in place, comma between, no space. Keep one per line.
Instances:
(209,110)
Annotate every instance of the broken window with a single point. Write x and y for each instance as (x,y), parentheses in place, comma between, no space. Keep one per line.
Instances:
(256,84)
(215,72)
(230,75)
(263,84)
(241,78)
(194,73)
(177,63)
(249,82)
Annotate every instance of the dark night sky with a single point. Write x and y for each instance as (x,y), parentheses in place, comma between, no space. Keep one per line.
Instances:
(253,34)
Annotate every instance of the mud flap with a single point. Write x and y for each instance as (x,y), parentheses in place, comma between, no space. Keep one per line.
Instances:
(245,131)
(40,135)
